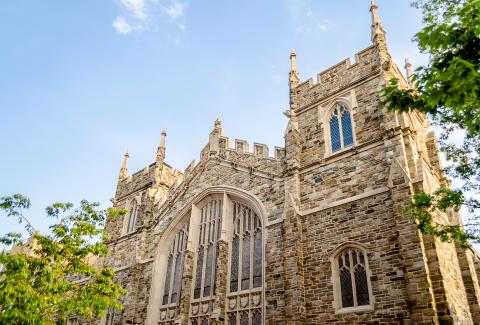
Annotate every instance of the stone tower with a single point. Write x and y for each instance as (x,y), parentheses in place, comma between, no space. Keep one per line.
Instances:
(313,234)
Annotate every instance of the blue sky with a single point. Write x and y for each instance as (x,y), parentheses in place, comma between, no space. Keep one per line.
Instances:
(82,81)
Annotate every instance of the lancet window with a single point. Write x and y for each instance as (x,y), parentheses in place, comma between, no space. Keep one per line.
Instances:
(341,130)
(246,268)
(132,217)
(173,277)
(205,275)
(353,285)
(244,305)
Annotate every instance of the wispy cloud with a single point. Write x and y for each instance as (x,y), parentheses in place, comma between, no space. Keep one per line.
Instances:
(304,19)
(122,26)
(140,14)
(135,7)
(175,10)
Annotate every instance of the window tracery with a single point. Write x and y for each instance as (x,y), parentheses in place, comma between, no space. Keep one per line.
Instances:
(353,285)
(341,130)
(205,275)
(173,278)
(241,228)
(245,299)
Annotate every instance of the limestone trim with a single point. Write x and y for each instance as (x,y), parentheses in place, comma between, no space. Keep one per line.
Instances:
(160,261)
(330,205)
(248,170)
(337,294)
(343,154)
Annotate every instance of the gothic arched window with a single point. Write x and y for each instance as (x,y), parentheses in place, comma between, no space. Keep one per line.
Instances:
(173,278)
(352,283)
(132,216)
(341,130)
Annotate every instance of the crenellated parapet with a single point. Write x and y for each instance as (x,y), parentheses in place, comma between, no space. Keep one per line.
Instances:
(145,179)
(238,154)
(338,77)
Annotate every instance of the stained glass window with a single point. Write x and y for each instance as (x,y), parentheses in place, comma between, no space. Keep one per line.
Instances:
(234,265)
(346,128)
(257,318)
(257,264)
(232,319)
(245,278)
(335,132)
(346,285)
(173,277)
(244,319)
(198,274)
(361,285)
(341,130)
(166,289)
(246,262)
(352,272)
(208,272)
(246,265)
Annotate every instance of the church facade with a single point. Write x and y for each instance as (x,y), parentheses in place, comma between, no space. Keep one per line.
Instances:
(311,234)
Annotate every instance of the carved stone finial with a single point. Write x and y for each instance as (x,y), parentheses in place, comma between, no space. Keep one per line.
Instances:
(161,149)
(294,77)
(124,169)
(218,123)
(164,135)
(377,27)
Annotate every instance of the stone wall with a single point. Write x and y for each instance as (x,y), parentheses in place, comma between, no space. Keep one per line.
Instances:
(314,202)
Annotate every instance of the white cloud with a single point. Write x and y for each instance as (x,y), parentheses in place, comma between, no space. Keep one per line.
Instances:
(135,7)
(142,14)
(175,10)
(122,26)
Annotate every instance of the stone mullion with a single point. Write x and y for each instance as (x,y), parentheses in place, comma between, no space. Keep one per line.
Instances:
(352,276)
(220,295)
(186,288)
(340,127)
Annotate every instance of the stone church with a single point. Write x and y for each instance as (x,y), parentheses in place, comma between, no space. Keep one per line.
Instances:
(313,233)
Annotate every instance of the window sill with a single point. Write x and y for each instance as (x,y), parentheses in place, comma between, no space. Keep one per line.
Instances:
(358,309)
(243,292)
(331,155)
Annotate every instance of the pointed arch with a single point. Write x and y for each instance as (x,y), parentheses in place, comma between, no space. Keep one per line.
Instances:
(130,218)
(338,125)
(213,209)
(351,274)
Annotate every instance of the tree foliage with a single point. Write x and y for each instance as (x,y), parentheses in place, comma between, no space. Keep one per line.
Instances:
(448,90)
(53,279)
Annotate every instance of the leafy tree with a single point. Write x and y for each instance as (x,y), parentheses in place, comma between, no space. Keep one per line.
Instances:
(53,279)
(448,90)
